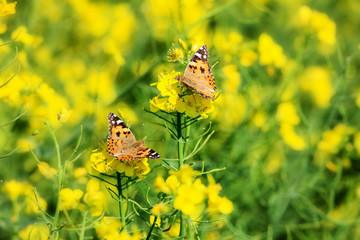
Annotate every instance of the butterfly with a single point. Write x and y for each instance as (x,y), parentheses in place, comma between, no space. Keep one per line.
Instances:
(122,144)
(198,75)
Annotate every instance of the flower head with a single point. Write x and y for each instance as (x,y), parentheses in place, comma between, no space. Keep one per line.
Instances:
(94,198)
(174,97)
(46,170)
(14,189)
(189,198)
(103,162)
(322,25)
(270,53)
(7,8)
(35,231)
(160,208)
(70,199)
(217,204)
(108,227)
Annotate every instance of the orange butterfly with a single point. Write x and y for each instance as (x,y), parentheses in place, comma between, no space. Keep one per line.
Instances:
(122,144)
(198,74)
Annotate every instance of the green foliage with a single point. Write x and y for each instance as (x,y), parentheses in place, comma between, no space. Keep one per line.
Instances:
(284,141)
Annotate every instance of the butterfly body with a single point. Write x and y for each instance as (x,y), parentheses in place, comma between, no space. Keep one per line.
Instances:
(198,75)
(122,143)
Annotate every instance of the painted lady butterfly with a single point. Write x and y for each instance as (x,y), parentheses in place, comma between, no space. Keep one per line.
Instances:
(122,144)
(198,74)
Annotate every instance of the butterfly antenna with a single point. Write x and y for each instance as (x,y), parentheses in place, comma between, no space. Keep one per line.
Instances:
(142,131)
(212,66)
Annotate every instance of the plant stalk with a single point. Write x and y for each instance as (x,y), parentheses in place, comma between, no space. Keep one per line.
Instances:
(181,162)
(61,169)
(121,200)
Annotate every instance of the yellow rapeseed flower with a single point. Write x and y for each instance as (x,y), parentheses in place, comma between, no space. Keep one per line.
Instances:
(288,118)
(70,199)
(94,198)
(32,203)
(47,171)
(291,138)
(35,231)
(157,103)
(24,144)
(182,44)
(169,89)
(108,228)
(260,120)
(140,167)
(21,34)
(169,99)
(175,54)
(80,172)
(247,58)
(169,186)
(270,53)
(33,208)
(185,174)
(167,84)
(316,81)
(174,230)
(172,182)
(217,204)
(322,25)
(103,162)
(14,189)
(189,198)
(160,208)
(7,8)
(187,105)
(286,113)
(161,185)
(332,140)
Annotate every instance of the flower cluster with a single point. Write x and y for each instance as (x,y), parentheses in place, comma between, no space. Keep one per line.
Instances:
(288,118)
(109,228)
(316,81)
(7,8)
(103,162)
(332,141)
(174,97)
(322,25)
(93,200)
(191,195)
(270,53)
(24,192)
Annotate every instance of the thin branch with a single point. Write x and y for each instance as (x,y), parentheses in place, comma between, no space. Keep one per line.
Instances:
(13,120)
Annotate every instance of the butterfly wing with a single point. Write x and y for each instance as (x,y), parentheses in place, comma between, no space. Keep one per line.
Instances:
(198,74)
(122,143)
(144,152)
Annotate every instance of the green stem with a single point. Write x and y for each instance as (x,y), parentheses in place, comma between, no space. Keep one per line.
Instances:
(180,141)
(190,230)
(181,162)
(60,183)
(121,200)
(83,227)
(152,228)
